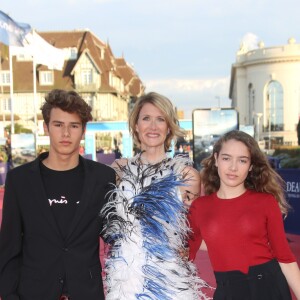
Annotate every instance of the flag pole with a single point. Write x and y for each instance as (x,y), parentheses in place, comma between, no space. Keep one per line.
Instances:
(11,94)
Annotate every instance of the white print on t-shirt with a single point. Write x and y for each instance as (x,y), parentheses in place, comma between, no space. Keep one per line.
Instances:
(62,200)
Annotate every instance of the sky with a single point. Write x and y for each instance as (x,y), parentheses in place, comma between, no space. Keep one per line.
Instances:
(183,49)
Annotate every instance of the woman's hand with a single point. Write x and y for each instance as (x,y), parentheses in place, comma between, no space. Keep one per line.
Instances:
(192,191)
(184,253)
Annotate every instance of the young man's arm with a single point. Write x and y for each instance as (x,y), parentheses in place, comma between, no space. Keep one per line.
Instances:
(10,243)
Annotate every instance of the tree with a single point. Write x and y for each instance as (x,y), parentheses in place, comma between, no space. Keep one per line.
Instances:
(18,129)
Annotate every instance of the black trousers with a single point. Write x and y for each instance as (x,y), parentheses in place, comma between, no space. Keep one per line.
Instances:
(263,282)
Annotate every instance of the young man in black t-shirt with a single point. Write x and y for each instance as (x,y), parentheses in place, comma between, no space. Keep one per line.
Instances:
(49,239)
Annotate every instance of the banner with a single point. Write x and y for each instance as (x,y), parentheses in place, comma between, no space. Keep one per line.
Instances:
(12,33)
(292,180)
(42,52)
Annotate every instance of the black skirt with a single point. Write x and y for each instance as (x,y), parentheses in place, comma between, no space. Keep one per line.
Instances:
(263,282)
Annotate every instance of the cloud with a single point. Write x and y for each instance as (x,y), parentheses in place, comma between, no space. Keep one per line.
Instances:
(188,84)
(103,1)
(190,94)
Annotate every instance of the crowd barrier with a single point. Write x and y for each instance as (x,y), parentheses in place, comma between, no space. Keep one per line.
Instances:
(104,158)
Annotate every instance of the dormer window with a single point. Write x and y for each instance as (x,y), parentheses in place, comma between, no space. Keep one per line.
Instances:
(73,53)
(46,77)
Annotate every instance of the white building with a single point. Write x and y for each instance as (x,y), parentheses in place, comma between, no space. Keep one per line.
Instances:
(265,89)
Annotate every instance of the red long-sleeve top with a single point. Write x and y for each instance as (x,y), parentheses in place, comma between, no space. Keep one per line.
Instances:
(239,232)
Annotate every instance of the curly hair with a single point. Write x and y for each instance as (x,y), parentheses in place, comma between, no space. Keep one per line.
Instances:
(262,178)
(68,101)
(166,107)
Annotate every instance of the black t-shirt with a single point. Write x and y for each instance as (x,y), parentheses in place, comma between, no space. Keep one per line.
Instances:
(63,190)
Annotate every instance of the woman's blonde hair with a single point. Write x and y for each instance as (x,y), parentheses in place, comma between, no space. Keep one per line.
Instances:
(261,178)
(166,107)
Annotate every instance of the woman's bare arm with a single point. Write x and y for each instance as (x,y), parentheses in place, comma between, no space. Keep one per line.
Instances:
(292,274)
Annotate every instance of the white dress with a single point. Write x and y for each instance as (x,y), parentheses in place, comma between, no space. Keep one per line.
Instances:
(145,224)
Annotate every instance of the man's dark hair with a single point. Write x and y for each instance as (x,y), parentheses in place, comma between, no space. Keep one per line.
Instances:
(68,101)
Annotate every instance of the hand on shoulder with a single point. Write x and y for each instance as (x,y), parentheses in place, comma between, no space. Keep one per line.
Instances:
(193,188)
(120,162)
(117,166)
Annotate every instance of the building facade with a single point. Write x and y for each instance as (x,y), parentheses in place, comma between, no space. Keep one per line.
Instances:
(265,89)
(109,84)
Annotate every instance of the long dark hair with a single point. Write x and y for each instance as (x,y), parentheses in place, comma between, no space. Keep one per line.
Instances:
(262,178)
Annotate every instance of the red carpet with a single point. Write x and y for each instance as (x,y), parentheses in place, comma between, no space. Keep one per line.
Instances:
(1,201)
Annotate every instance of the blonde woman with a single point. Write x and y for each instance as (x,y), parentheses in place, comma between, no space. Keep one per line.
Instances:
(145,221)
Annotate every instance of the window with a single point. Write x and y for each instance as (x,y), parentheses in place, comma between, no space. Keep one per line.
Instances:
(274,107)
(6,104)
(251,105)
(4,77)
(73,53)
(70,53)
(46,77)
(87,76)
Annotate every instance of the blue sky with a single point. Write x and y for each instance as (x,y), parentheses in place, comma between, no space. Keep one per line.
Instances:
(183,49)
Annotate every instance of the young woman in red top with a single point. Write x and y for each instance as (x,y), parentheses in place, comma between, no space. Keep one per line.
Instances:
(240,221)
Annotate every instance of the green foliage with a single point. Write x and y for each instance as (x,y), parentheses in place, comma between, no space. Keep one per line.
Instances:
(289,157)
(3,155)
(18,129)
(291,151)
(291,163)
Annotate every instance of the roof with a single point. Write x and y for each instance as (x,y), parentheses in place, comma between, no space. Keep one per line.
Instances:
(85,42)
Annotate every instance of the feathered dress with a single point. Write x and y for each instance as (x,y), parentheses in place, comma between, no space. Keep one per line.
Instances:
(145,225)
